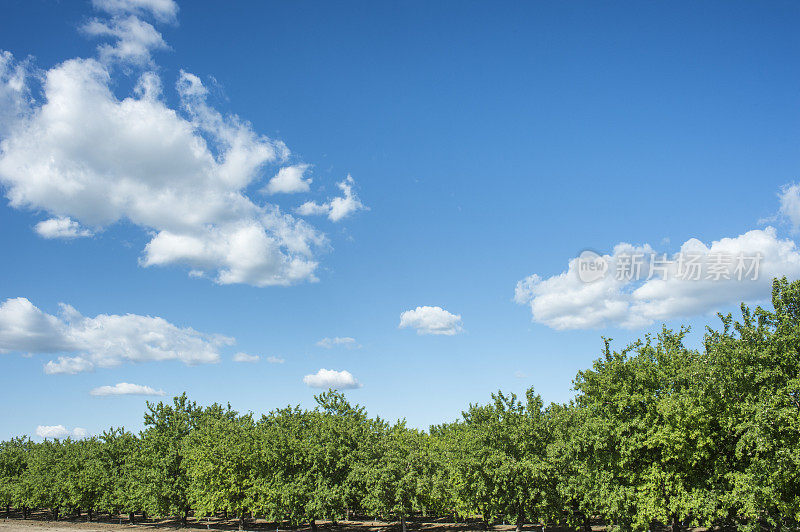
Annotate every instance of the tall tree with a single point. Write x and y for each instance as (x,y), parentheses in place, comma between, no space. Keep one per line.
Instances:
(124,477)
(43,481)
(14,457)
(163,455)
(756,384)
(222,463)
(506,462)
(394,474)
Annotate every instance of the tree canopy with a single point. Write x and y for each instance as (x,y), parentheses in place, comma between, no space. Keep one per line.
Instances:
(657,433)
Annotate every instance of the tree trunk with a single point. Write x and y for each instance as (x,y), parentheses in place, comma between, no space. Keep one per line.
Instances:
(131,518)
(184,517)
(55,514)
(587,524)
(144,515)
(520,520)
(89,513)
(226,514)
(314,525)
(8,511)
(241,520)
(403,523)
(676,524)
(24,512)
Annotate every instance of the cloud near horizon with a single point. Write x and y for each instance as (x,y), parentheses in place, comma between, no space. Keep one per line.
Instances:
(60,432)
(564,301)
(104,341)
(126,388)
(329,378)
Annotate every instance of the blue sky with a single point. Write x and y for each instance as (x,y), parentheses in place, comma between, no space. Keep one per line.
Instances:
(486,142)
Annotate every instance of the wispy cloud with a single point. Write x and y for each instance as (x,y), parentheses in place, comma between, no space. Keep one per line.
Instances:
(126,388)
(341,341)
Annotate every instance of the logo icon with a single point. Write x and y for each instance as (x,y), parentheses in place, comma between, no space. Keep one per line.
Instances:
(591,266)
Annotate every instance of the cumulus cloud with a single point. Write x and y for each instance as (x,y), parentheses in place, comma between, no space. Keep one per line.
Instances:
(14,92)
(60,431)
(135,39)
(61,227)
(344,341)
(789,197)
(696,280)
(87,156)
(126,388)
(275,360)
(289,180)
(244,357)
(69,365)
(162,10)
(337,208)
(431,320)
(104,341)
(329,378)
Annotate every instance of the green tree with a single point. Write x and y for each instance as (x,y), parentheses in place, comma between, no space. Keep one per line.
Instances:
(504,465)
(575,494)
(165,478)
(123,476)
(648,439)
(14,457)
(83,474)
(222,463)
(43,481)
(284,488)
(395,476)
(756,386)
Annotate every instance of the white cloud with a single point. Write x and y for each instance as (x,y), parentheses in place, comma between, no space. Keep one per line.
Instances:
(345,341)
(162,10)
(61,227)
(86,155)
(68,365)
(565,302)
(244,357)
(431,320)
(135,39)
(275,360)
(337,208)
(289,180)
(103,341)
(14,92)
(60,431)
(126,388)
(520,375)
(329,378)
(790,204)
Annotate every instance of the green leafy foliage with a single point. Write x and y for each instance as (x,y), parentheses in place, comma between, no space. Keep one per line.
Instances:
(657,433)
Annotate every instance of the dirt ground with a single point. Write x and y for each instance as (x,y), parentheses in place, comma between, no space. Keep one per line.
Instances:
(41,524)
